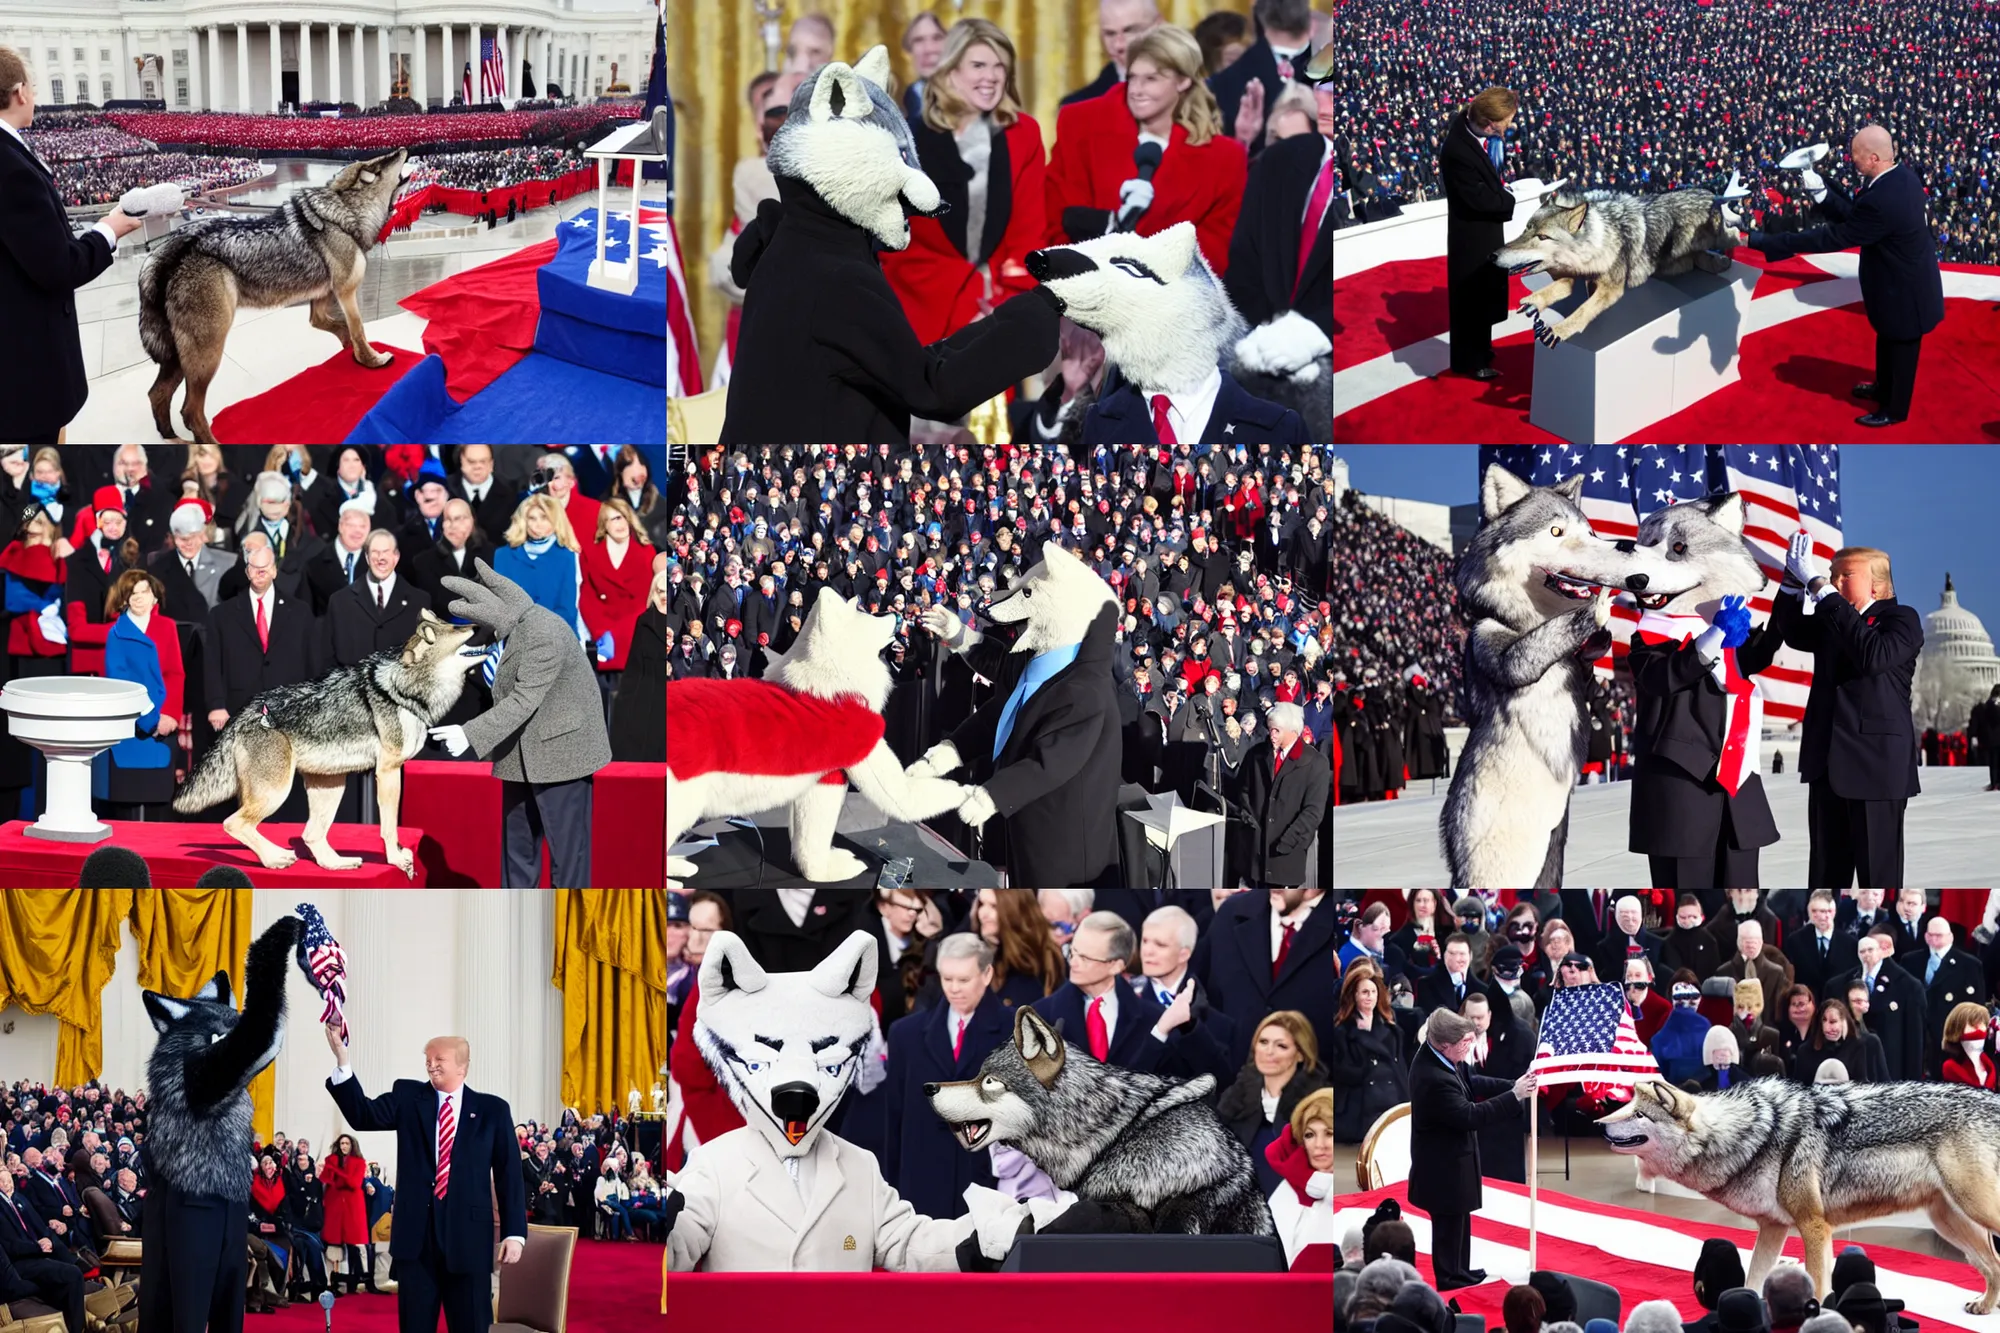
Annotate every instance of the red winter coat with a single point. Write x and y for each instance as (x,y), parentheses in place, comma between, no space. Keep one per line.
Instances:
(1093,157)
(612,598)
(709,1109)
(938,286)
(37,567)
(346,1203)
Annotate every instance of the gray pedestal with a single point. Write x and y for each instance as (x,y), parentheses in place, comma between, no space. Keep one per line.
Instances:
(1667,343)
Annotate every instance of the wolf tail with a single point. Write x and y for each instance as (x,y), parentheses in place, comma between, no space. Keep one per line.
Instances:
(214,781)
(156,335)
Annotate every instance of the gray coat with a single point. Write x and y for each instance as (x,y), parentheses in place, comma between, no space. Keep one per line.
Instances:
(547,720)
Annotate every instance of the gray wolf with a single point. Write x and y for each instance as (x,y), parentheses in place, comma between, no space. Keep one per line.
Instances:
(846,137)
(1814,1158)
(370,717)
(815,715)
(313,247)
(1146,1147)
(1614,241)
(192,1271)
(545,732)
(1528,662)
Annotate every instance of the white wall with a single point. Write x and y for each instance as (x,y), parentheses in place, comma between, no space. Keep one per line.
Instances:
(470,962)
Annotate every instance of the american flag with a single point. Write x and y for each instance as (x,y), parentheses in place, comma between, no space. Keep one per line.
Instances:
(322,959)
(1587,1037)
(492,69)
(1784,488)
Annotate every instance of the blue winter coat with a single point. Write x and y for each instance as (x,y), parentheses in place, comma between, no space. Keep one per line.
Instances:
(129,655)
(549,579)
(1677,1045)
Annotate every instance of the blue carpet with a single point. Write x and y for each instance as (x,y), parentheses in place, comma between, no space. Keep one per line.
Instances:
(542,400)
(625,335)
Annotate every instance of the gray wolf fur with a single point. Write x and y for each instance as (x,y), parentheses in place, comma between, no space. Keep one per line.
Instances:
(1289,361)
(1146,1147)
(1815,1158)
(198,1129)
(313,247)
(370,717)
(1528,662)
(846,137)
(1706,536)
(1615,242)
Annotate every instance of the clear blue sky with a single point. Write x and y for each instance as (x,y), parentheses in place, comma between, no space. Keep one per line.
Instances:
(1932,507)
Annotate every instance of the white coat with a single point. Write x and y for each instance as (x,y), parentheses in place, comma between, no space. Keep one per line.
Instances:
(1298,1225)
(744,1214)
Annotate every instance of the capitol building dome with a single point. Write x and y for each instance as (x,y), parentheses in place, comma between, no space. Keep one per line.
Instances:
(1958,667)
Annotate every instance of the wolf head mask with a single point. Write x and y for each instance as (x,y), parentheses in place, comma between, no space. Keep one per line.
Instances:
(785,1044)
(1057,599)
(494,601)
(1704,540)
(844,136)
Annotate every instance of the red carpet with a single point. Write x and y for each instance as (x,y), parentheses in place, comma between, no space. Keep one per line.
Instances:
(316,406)
(483,320)
(1794,390)
(179,854)
(614,1287)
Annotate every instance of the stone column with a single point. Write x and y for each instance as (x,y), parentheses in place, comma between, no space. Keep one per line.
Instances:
(489,997)
(277,67)
(305,61)
(546,49)
(447,67)
(590,68)
(215,98)
(333,89)
(194,68)
(360,54)
(471,75)
(243,67)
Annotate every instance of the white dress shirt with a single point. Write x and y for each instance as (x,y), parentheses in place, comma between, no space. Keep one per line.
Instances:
(1297,919)
(1188,412)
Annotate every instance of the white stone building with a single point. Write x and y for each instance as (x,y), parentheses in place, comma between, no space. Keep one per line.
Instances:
(1957,668)
(228,55)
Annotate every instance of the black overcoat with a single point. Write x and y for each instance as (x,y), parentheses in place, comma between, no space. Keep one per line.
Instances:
(1445,1121)
(1857,736)
(1478,207)
(42,381)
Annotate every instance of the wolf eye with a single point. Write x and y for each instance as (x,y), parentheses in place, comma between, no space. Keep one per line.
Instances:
(1680,548)
(992,1085)
(754,1066)
(1555,530)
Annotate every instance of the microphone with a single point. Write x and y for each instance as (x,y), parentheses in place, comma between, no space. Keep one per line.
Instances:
(326,1304)
(1146,158)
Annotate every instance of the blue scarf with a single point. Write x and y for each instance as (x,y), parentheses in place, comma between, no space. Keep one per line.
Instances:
(539,548)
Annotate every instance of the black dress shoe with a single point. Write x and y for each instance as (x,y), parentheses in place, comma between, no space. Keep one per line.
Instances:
(1877,419)
(1866,389)
(1483,373)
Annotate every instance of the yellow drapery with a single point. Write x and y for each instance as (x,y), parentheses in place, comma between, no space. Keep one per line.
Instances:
(186,936)
(715,46)
(57,949)
(611,967)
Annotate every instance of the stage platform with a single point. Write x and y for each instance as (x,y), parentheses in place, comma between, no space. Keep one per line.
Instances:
(180,854)
(1948,836)
(743,859)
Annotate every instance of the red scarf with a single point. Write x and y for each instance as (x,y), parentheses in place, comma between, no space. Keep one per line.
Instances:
(1288,1158)
(269,1195)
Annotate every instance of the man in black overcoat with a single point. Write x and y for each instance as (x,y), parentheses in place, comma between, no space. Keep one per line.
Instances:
(1287,785)
(1901,287)
(1506,1049)
(1857,748)
(1449,1106)
(1950,977)
(1284,32)
(1478,208)
(1234,959)
(1895,1002)
(1264,277)
(921,1158)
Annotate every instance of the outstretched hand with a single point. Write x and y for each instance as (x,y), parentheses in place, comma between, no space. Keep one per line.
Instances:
(334,1043)
(1733,619)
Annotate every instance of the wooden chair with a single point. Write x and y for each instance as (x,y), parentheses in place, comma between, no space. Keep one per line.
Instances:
(30,1317)
(534,1293)
(1384,1158)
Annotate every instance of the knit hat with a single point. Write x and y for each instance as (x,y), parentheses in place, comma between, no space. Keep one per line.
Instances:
(1558,1299)
(1863,1306)
(1506,962)
(1741,1310)
(190,515)
(430,474)
(1749,995)
(1718,1269)
(108,497)
(1851,1267)
(365,502)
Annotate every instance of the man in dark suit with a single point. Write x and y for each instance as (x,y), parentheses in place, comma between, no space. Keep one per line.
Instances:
(38,1257)
(1123,416)
(1950,977)
(1114,1023)
(455,1158)
(1895,1002)
(459,543)
(943,1044)
(1901,288)
(1166,948)
(492,499)
(42,382)
(1447,985)
(1627,934)
(148,503)
(1478,207)
(1269,950)
(1505,1048)
(57,1199)
(1858,749)
(1819,953)
(1118,22)
(1284,33)
(1287,786)
(1908,921)
(374,613)
(1449,1106)
(1860,912)
(1587,913)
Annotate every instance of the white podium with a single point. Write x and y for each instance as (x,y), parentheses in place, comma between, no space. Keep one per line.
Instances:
(1666,344)
(71,719)
(1192,840)
(620,275)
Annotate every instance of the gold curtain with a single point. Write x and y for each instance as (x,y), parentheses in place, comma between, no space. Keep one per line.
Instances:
(186,936)
(715,46)
(57,949)
(611,967)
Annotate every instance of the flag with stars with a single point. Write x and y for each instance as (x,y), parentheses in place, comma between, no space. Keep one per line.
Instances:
(1588,1037)
(1784,488)
(321,958)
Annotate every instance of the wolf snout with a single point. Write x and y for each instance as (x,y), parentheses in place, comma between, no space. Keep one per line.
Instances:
(930,1089)
(1057,262)
(1636,582)
(794,1102)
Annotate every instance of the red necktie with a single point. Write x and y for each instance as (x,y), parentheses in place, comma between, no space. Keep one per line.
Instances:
(1285,68)
(958,1042)
(104,558)
(445,1136)
(263,626)
(1100,1037)
(1322,196)
(380,604)
(1284,947)
(1162,429)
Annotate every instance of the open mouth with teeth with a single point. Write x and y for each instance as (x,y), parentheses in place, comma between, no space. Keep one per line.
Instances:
(973,1132)
(1582,590)
(796,1130)
(1531,266)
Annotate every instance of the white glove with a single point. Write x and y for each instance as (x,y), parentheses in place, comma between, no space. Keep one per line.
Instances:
(452,738)
(1134,198)
(940,621)
(937,761)
(1320,1185)
(1799,562)
(143,200)
(1815,184)
(51,623)
(978,808)
(995,1219)
(1708,644)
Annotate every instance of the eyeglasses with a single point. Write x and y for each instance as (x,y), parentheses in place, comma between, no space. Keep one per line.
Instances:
(1074,952)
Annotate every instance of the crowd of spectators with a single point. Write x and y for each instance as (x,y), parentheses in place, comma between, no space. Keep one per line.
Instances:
(1235,984)
(88,139)
(492,168)
(305,134)
(87,181)
(1655,97)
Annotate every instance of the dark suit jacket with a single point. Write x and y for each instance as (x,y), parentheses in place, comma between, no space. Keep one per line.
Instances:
(493,513)
(779,946)
(1609,953)
(1857,737)
(1434,990)
(1255,63)
(1803,949)
(239,668)
(1288,810)
(1901,287)
(921,1158)
(483,1149)
(1479,206)
(1961,979)
(1895,1014)
(18,1243)
(42,382)
(1107,79)
(1445,1120)
(1233,959)
(50,1200)
(356,627)
(1264,248)
(427,571)
(1124,417)
(1189,1051)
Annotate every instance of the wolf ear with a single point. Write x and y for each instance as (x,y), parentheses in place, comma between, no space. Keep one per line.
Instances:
(1727,510)
(1570,489)
(849,970)
(1040,1045)
(164,1010)
(426,614)
(1573,218)
(874,66)
(1176,246)
(217,989)
(840,78)
(728,966)
(1499,491)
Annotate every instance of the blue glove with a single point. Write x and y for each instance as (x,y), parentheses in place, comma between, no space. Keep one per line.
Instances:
(1733,619)
(605,652)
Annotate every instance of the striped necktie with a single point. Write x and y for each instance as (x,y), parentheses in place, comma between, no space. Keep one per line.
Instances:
(492,668)
(446,1133)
